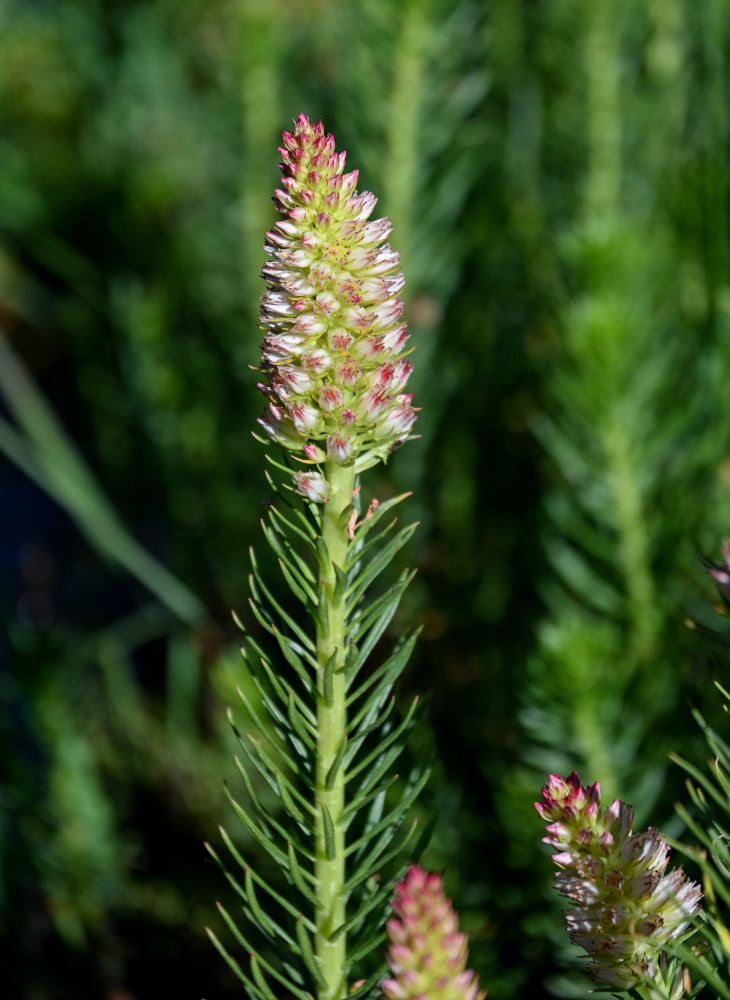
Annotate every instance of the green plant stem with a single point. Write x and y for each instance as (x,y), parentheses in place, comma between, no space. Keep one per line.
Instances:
(329,868)
(603,182)
(633,544)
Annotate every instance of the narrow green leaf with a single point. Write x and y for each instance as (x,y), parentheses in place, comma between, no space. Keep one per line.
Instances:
(696,962)
(261,979)
(374,860)
(291,499)
(335,766)
(278,746)
(340,585)
(282,943)
(279,540)
(701,779)
(373,901)
(329,832)
(267,620)
(253,990)
(321,613)
(303,593)
(323,556)
(297,723)
(244,943)
(356,955)
(298,874)
(306,537)
(376,617)
(288,802)
(345,516)
(281,900)
(369,726)
(377,564)
(270,969)
(358,553)
(252,793)
(261,917)
(269,822)
(279,689)
(378,770)
(278,464)
(395,816)
(308,955)
(362,800)
(273,768)
(256,760)
(256,833)
(385,743)
(390,669)
(370,984)
(328,678)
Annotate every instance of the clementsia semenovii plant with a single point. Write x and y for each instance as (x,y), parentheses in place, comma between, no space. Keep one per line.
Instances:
(335,342)
(324,732)
(625,910)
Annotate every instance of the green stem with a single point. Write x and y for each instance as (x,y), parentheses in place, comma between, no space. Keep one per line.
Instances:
(329,868)
(603,182)
(634,545)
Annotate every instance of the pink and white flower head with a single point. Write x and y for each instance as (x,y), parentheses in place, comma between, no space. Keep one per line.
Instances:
(334,341)
(427,953)
(625,909)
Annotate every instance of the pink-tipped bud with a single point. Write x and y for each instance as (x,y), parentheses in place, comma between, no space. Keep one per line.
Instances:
(427,954)
(624,908)
(313,486)
(334,340)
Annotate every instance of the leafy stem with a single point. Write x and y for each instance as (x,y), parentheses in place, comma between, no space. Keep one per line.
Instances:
(331,628)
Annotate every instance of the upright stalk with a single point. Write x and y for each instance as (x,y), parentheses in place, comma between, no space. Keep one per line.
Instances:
(329,867)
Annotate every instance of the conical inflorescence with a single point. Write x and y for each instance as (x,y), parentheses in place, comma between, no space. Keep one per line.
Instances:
(335,344)
(427,953)
(625,909)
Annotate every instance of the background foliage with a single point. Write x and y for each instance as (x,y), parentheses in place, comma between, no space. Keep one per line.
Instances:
(557,179)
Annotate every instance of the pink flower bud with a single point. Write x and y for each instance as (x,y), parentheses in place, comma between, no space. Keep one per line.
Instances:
(625,908)
(427,954)
(334,341)
(313,486)
(339,447)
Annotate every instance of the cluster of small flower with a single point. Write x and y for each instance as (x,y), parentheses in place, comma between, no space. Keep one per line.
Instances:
(334,349)
(625,908)
(427,954)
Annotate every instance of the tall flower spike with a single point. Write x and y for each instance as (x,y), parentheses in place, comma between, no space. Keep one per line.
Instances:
(334,347)
(427,954)
(625,909)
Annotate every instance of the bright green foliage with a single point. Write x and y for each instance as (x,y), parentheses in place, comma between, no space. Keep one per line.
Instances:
(283,809)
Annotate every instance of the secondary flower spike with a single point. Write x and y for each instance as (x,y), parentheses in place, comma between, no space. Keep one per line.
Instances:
(335,344)
(625,909)
(427,954)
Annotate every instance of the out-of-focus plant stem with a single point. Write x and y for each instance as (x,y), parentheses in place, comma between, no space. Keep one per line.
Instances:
(402,152)
(259,110)
(602,204)
(603,184)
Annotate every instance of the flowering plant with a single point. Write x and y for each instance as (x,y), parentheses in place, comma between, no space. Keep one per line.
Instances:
(322,799)
(334,350)
(625,909)
(326,736)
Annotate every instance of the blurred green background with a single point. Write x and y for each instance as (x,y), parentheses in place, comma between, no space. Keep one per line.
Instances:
(557,178)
